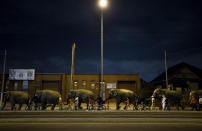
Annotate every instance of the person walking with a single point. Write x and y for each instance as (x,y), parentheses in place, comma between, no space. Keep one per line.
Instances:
(163,103)
(153,101)
(90,104)
(200,102)
(127,103)
(167,104)
(76,103)
(193,103)
(36,102)
(69,107)
(136,103)
(100,103)
(107,104)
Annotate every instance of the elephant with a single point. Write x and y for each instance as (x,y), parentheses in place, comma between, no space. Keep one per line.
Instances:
(121,95)
(17,97)
(47,97)
(174,97)
(83,95)
(195,93)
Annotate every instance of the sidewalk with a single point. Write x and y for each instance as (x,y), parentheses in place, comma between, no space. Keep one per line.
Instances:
(111,107)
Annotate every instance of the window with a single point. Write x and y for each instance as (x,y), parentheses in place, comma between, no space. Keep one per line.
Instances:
(84,83)
(75,84)
(92,85)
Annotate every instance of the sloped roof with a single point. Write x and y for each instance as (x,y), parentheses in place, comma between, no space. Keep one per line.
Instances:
(175,69)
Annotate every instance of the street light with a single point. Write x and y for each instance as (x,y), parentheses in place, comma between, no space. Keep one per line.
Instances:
(102,4)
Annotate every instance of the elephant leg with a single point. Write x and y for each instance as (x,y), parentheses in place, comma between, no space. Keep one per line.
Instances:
(177,106)
(80,106)
(12,106)
(43,106)
(35,107)
(4,105)
(125,107)
(182,107)
(19,107)
(117,105)
(28,105)
(88,108)
(39,107)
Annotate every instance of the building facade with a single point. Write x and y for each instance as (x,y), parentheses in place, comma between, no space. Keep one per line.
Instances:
(62,82)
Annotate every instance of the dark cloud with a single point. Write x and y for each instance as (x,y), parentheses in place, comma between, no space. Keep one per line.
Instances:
(39,34)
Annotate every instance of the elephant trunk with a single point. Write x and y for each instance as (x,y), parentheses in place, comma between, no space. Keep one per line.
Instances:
(5,99)
(67,99)
(109,97)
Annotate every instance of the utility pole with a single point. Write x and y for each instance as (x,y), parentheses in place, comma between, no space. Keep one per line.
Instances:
(103,4)
(72,68)
(3,79)
(166,70)
(102,79)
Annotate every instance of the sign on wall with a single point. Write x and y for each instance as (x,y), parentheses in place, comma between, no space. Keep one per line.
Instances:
(111,85)
(21,74)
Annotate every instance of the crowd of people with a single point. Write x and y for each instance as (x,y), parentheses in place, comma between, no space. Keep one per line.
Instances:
(194,102)
(74,105)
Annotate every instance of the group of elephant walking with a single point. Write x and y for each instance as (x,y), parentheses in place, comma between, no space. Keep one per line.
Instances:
(41,99)
(44,98)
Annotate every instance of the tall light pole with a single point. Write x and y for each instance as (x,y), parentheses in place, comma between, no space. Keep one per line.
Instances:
(166,70)
(3,79)
(103,4)
(72,68)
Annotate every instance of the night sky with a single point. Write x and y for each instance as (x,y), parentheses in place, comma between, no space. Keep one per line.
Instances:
(39,34)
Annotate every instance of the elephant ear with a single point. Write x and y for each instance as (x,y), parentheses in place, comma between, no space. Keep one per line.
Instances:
(156,90)
(115,93)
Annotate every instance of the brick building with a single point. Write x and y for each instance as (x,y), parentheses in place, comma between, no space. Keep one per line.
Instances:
(61,82)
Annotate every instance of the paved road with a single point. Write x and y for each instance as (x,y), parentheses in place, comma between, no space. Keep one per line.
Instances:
(101,127)
(100,114)
(101,121)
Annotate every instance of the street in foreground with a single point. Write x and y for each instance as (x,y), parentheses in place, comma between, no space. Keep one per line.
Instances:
(100,121)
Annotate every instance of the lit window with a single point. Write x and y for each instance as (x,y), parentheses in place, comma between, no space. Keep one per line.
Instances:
(75,85)
(84,83)
(92,85)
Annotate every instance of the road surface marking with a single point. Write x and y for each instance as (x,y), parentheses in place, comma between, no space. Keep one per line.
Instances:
(31,123)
